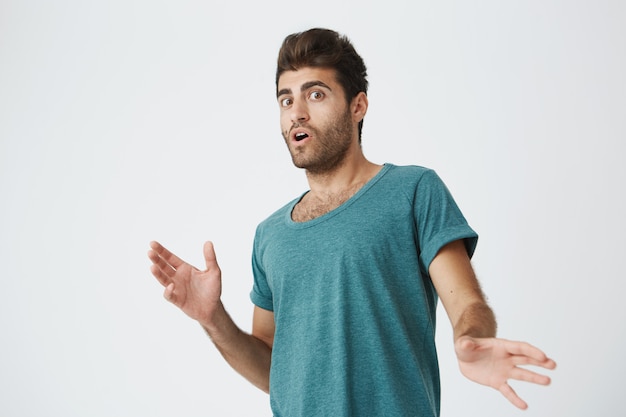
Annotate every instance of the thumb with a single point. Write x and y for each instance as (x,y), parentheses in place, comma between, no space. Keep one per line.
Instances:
(465,345)
(209,255)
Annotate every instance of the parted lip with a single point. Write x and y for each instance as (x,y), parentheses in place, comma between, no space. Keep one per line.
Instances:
(297,134)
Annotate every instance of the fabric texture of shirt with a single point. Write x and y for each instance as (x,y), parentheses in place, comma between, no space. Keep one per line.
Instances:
(353,303)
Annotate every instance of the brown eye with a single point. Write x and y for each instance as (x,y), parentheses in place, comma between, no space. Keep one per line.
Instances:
(316,95)
(286,102)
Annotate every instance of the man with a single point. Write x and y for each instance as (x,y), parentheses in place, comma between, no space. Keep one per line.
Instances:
(347,276)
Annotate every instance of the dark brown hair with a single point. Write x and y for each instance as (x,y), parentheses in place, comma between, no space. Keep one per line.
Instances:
(325,48)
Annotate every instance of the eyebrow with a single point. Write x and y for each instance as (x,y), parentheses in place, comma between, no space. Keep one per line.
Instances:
(304,87)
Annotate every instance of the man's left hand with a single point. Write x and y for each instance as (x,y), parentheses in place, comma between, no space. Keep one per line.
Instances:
(492,362)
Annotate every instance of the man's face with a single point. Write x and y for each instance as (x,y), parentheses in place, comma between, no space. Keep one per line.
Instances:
(315,119)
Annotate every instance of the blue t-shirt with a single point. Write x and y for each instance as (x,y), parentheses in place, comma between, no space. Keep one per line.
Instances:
(353,303)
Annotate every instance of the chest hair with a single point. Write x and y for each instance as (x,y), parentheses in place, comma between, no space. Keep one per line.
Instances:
(313,206)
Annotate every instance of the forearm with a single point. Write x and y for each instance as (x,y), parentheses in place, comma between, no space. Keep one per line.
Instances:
(245,353)
(477,320)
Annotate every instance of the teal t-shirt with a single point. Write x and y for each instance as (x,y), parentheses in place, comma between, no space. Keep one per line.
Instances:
(353,303)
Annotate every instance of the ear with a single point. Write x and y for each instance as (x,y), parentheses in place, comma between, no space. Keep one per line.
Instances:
(358,107)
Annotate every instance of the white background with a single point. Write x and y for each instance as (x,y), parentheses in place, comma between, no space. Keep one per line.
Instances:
(127,121)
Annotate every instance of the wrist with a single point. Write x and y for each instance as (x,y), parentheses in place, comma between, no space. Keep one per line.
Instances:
(476,321)
(218,325)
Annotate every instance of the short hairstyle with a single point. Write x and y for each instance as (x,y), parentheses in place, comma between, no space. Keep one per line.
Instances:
(325,48)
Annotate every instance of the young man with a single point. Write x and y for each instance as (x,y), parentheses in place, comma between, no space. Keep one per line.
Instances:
(347,276)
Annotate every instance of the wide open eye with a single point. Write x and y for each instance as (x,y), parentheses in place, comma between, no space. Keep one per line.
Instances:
(316,95)
(286,102)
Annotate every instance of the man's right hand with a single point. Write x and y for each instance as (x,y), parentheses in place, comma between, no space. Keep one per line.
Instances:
(198,294)
(195,292)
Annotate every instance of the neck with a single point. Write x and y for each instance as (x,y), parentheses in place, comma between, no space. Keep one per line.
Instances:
(351,172)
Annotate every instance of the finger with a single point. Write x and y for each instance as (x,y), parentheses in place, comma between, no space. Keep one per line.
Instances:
(525,360)
(512,396)
(166,255)
(168,294)
(465,345)
(527,375)
(209,256)
(166,270)
(526,349)
(160,276)
(159,261)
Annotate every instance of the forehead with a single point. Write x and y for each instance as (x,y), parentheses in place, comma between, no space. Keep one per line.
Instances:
(293,80)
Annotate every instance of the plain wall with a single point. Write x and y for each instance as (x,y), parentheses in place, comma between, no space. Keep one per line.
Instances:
(128,121)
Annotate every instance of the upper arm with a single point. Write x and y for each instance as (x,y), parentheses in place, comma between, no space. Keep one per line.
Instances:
(263,326)
(455,281)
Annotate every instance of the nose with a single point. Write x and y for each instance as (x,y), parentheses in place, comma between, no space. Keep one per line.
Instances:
(299,112)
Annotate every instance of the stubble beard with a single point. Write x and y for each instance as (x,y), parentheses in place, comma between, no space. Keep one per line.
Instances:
(329,148)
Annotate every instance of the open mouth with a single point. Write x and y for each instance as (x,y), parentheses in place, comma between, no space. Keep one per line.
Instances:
(300,136)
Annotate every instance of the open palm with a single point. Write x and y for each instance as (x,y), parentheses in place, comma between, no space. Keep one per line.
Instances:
(493,362)
(195,292)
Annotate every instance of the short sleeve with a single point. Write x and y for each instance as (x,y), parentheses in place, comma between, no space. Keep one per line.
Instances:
(439,220)
(261,294)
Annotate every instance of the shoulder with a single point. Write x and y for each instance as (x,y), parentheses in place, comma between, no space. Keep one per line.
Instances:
(409,177)
(277,218)
(414,172)
(419,186)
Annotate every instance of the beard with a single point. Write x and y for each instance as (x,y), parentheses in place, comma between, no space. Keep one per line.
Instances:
(329,148)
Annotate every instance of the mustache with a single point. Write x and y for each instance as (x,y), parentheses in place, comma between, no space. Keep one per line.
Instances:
(296,125)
